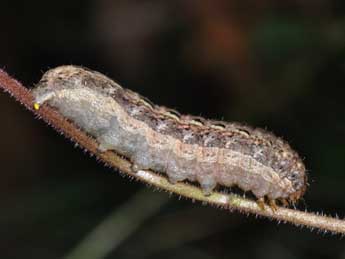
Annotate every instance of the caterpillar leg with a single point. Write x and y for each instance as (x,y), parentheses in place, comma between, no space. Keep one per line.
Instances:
(273,205)
(135,168)
(207,184)
(174,179)
(261,203)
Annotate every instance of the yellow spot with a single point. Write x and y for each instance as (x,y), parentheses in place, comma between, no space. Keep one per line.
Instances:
(36,106)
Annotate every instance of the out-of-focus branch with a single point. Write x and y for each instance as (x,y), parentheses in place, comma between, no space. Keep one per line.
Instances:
(118,225)
(228,201)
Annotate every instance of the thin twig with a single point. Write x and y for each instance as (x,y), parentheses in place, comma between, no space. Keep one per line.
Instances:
(229,201)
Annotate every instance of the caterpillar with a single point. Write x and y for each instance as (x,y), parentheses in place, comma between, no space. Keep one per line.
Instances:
(184,147)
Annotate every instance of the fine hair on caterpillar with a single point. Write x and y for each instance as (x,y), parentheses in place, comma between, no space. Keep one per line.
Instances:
(184,147)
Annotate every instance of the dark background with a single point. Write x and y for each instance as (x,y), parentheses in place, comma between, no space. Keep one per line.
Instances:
(273,64)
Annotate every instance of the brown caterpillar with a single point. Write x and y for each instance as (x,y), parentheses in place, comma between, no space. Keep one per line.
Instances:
(182,146)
